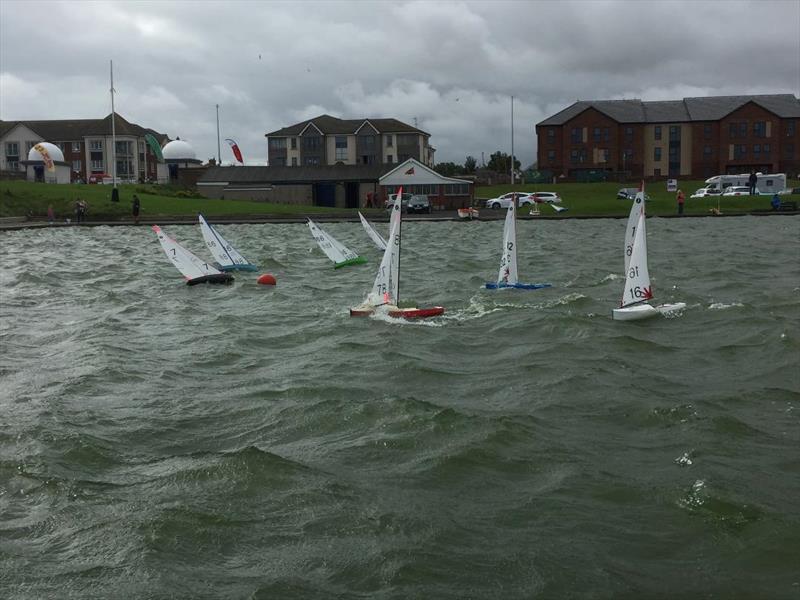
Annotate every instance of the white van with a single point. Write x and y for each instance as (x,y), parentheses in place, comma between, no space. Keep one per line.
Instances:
(765,184)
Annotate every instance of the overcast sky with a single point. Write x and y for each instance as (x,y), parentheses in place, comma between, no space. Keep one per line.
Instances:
(451,66)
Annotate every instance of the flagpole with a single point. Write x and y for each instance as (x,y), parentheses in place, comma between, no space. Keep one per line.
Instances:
(219,153)
(114,192)
(512,141)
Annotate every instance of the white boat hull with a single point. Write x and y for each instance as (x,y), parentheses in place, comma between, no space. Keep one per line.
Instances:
(645,311)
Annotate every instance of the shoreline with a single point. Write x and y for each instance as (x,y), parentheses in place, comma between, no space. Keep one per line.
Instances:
(18,223)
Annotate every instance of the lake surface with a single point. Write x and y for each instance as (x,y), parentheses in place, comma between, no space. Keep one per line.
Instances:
(166,441)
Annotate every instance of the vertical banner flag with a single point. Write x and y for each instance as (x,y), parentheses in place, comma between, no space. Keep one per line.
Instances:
(154,146)
(236,152)
(48,161)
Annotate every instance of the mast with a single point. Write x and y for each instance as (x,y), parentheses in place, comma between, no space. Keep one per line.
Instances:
(219,154)
(399,246)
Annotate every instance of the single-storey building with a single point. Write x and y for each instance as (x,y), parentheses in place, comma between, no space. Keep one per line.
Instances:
(338,185)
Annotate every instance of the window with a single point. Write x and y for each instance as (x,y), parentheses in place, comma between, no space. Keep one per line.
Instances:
(707,151)
(789,150)
(294,144)
(759,129)
(606,134)
(76,146)
(657,172)
(294,161)
(12,150)
(789,128)
(76,165)
(310,144)
(656,154)
(739,151)
(97,165)
(743,129)
(707,131)
(96,145)
(368,142)
(576,135)
(551,156)
(403,139)
(596,134)
(629,134)
(311,161)
(573,156)
(389,158)
(341,148)
(765,148)
(123,148)
(756,149)
(603,155)
(627,154)
(141,146)
(454,189)
(29,146)
(732,129)
(673,152)
(389,140)
(551,136)
(277,143)
(658,132)
(674,133)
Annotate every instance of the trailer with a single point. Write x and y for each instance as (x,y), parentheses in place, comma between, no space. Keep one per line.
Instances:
(765,184)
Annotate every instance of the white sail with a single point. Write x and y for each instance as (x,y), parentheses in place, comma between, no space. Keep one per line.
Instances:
(376,237)
(637,278)
(187,263)
(332,248)
(637,209)
(508,261)
(386,288)
(225,254)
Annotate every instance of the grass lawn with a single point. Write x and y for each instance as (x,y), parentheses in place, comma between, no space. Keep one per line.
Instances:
(23,198)
(595,199)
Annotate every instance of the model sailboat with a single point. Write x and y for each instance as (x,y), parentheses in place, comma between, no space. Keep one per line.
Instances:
(194,269)
(227,257)
(385,291)
(638,289)
(376,237)
(340,254)
(508,277)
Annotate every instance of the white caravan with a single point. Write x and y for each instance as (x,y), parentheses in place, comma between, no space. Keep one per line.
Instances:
(765,184)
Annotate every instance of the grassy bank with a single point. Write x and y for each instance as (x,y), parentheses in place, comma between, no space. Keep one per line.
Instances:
(25,199)
(600,199)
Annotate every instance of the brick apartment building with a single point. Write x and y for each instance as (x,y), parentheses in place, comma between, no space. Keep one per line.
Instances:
(691,138)
(86,146)
(326,140)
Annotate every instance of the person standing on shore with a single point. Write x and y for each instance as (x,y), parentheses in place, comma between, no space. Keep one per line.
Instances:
(752,181)
(681,199)
(135,209)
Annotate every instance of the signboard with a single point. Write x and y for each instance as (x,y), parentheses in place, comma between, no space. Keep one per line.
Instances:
(672,185)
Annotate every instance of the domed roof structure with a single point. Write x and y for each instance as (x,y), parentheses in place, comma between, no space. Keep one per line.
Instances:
(53,150)
(178,150)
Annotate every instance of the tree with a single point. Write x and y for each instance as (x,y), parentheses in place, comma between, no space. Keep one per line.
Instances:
(501,163)
(470,164)
(448,169)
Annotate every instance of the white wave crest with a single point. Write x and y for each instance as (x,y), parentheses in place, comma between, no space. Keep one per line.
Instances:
(723,306)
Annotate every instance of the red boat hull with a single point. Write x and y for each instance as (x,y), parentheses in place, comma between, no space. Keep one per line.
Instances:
(402,313)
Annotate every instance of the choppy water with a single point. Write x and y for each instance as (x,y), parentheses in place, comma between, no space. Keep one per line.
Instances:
(165,441)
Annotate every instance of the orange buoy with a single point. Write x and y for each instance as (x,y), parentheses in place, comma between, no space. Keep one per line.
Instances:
(266,279)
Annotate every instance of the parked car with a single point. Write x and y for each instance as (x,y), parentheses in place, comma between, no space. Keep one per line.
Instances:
(504,201)
(98,177)
(403,201)
(705,192)
(630,194)
(418,204)
(546,197)
(737,190)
